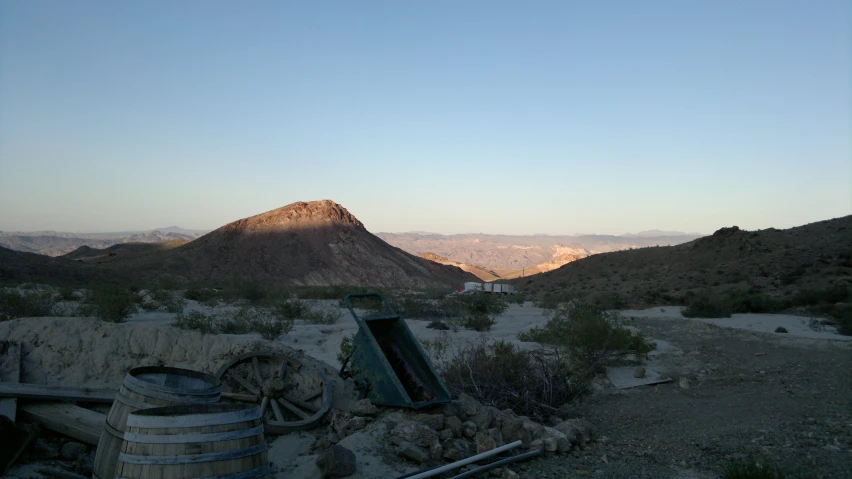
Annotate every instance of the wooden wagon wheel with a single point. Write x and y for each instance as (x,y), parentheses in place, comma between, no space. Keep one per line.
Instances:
(264,378)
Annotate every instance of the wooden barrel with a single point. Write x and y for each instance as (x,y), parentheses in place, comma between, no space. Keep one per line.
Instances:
(149,387)
(221,441)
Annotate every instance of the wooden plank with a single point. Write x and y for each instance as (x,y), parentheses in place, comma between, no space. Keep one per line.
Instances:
(73,421)
(56,393)
(10,372)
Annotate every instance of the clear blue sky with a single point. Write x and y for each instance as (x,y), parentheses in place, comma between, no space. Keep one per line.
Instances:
(445,116)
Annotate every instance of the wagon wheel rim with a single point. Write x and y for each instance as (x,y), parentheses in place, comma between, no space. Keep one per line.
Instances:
(269,391)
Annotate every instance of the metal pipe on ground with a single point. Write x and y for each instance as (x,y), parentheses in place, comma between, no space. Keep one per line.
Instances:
(500,463)
(449,467)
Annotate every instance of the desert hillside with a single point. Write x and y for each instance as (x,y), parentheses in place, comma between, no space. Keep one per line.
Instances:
(313,243)
(55,243)
(773,262)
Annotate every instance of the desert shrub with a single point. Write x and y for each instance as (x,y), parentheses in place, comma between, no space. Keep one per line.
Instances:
(752,302)
(463,305)
(252,292)
(751,469)
(516,298)
(110,303)
(592,337)
(253,319)
(552,299)
(479,322)
(290,309)
(202,295)
(706,306)
(320,316)
(25,304)
(168,300)
(194,321)
(830,295)
(328,292)
(416,307)
(438,325)
(347,347)
(67,293)
(499,374)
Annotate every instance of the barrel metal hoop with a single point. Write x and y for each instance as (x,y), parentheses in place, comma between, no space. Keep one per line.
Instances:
(192,458)
(130,378)
(113,431)
(192,438)
(130,402)
(252,474)
(171,398)
(193,420)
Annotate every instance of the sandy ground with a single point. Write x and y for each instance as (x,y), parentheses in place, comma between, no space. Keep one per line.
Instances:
(750,390)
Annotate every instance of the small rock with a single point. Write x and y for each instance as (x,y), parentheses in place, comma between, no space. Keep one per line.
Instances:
(415,433)
(577,431)
(537,444)
(550,444)
(457,449)
(683,382)
(469,429)
(436,450)
(365,408)
(469,406)
(554,421)
(781,329)
(509,474)
(45,450)
(412,452)
(435,421)
(639,372)
(513,428)
(454,424)
(483,418)
(445,434)
(484,442)
(356,423)
(72,450)
(337,461)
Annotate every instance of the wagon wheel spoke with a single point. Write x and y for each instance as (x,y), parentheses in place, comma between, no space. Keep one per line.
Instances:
(241,397)
(244,383)
(290,407)
(282,369)
(257,372)
(277,410)
(300,403)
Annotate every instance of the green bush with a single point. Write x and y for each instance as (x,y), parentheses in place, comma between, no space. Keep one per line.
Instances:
(592,338)
(25,304)
(167,300)
(253,319)
(750,302)
(252,293)
(705,306)
(553,299)
(290,309)
(110,303)
(194,321)
(751,469)
(830,295)
(463,305)
(202,295)
(499,374)
(516,298)
(479,322)
(67,293)
(347,347)
(317,316)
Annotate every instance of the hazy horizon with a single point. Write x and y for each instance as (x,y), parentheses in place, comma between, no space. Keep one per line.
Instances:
(491,117)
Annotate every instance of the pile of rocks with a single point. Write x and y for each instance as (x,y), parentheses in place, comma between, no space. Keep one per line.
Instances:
(455,431)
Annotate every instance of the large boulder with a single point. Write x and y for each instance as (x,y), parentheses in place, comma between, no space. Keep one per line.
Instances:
(577,431)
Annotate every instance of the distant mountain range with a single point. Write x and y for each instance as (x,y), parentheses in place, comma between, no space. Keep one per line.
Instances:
(57,243)
(517,252)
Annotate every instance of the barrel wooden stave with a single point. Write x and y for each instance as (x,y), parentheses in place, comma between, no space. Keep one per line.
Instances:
(143,389)
(195,451)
